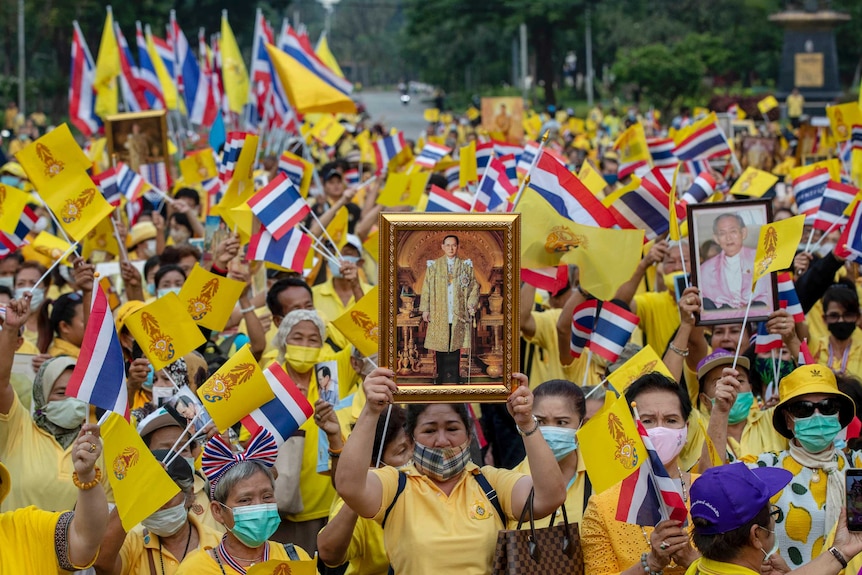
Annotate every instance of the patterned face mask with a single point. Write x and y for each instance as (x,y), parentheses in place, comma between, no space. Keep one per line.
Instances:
(441,463)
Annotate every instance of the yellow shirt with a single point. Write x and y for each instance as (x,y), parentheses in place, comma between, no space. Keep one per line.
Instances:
(611,546)
(659,317)
(202,509)
(201,562)
(546,360)
(365,554)
(854,355)
(758,435)
(428,533)
(574,498)
(40,469)
(30,543)
(134,552)
(62,347)
(795,104)
(328,305)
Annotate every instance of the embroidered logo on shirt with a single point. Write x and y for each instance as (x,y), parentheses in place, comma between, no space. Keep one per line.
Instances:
(479,511)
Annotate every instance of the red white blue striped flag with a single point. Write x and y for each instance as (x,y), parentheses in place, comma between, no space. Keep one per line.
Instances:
(567,194)
(289,252)
(130,183)
(440,200)
(431,154)
(614,327)
(495,189)
(764,342)
(787,293)
(583,321)
(11,242)
(283,415)
(528,158)
(808,190)
(505,149)
(661,150)
(700,190)
(107,182)
(645,208)
(387,148)
(706,142)
(835,200)
(278,206)
(82,96)
(551,280)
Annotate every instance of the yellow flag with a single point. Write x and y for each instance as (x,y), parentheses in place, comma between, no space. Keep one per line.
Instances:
(198,166)
(833,165)
(856,167)
(52,157)
(473,113)
(396,190)
(446,118)
(165,331)
(548,239)
(591,178)
(326,56)
(371,245)
(305,90)
(617,194)
(674,232)
(50,246)
(337,228)
(77,203)
(431,114)
(233,68)
(418,183)
(169,88)
(140,483)
(753,182)
(776,246)
(469,173)
(359,324)
(631,145)
(643,362)
(12,204)
(279,567)
(96,154)
(101,238)
(235,390)
(366,150)
(241,186)
(107,70)
(767,104)
(328,130)
(210,298)
(610,444)
(842,118)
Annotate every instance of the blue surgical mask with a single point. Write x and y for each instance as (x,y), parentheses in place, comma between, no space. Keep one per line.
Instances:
(741,407)
(7,281)
(151,288)
(561,440)
(817,432)
(165,291)
(254,524)
(148,383)
(611,179)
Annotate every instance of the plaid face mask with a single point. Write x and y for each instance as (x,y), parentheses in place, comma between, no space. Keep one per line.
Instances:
(441,463)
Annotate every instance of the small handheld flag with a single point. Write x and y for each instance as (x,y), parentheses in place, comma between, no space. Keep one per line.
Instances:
(285,413)
(279,206)
(583,320)
(614,327)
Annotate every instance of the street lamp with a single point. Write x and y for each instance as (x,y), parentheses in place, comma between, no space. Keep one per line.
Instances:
(329,6)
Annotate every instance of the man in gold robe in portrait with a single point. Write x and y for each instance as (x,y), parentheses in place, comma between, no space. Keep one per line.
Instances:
(450,294)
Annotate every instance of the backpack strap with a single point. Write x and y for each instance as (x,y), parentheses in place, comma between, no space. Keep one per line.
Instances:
(290,549)
(402,483)
(491,494)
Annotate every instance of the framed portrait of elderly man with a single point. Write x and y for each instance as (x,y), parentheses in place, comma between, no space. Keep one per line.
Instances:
(140,140)
(723,242)
(449,304)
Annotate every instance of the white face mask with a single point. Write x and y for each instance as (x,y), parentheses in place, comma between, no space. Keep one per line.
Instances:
(68,413)
(166,522)
(36,298)
(165,291)
(7,281)
(41,224)
(162,395)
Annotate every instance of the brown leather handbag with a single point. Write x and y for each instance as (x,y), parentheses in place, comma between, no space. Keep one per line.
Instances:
(554,550)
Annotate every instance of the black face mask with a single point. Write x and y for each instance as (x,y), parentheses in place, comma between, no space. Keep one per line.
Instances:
(841,329)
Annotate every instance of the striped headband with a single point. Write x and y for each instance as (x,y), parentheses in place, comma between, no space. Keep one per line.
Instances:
(218,457)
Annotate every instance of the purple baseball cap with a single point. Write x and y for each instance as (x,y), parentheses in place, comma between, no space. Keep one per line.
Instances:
(729,496)
(720,357)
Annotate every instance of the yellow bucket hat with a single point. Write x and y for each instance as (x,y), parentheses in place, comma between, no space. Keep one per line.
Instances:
(807,379)
(124,311)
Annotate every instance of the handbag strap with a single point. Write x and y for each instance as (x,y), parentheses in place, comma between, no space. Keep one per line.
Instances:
(402,483)
(491,494)
(290,549)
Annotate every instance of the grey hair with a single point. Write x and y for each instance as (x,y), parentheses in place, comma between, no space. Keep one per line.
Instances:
(238,472)
(289,322)
(676,243)
(733,215)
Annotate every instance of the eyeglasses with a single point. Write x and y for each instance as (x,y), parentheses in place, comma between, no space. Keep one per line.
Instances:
(774,511)
(833,317)
(803,409)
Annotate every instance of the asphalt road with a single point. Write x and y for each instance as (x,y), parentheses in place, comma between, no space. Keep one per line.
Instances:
(386,107)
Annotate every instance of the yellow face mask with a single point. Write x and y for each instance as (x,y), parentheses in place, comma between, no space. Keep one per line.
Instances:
(301,358)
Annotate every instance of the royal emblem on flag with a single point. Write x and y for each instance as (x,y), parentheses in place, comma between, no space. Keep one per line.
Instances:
(770,245)
(626,451)
(162,345)
(53,167)
(562,239)
(126,459)
(200,306)
(366,324)
(219,386)
(73,208)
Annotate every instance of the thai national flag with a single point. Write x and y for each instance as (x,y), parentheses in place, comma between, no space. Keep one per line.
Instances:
(612,331)
(835,200)
(289,252)
(82,96)
(278,206)
(645,208)
(204,114)
(291,43)
(568,195)
(155,174)
(261,79)
(148,81)
(99,377)
(495,189)
(11,242)
(528,158)
(850,243)
(387,148)
(453,178)
(484,153)
(765,342)
(551,280)
(583,321)
(808,189)
(707,142)
(511,164)
(165,50)
(193,86)
(645,492)
(292,168)
(230,155)
(442,201)
(351,177)
(133,95)
(661,150)
(700,190)
(504,149)
(431,154)
(107,182)
(129,182)
(787,293)
(281,416)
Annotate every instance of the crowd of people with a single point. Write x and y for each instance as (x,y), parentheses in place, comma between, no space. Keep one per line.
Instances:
(427,487)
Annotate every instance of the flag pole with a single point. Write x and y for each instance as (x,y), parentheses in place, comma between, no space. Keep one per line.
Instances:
(186,444)
(662,507)
(742,332)
(823,237)
(66,254)
(529,171)
(587,368)
(180,438)
(810,236)
(385,428)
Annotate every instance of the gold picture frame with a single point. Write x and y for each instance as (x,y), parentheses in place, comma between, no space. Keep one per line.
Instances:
(413,260)
(140,140)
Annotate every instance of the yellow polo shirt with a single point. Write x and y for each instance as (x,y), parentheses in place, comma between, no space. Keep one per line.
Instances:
(329,306)
(40,469)
(202,510)
(546,360)
(428,533)
(365,554)
(30,542)
(854,357)
(201,562)
(574,498)
(659,317)
(135,550)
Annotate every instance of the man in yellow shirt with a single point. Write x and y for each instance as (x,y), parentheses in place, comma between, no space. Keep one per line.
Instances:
(795,106)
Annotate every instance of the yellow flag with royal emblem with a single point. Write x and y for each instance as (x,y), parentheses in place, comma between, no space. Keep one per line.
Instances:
(473,113)
(753,183)
(360,323)
(77,203)
(842,118)
(776,246)
(235,390)
(366,150)
(591,178)
(610,444)
(198,166)
(52,158)
(337,228)
(431,115)
(210,298)
(767,104)
(233,68)
(280,567)
(632,147)
(140,483)
(101,239)
(50,246)
(643,362)
(12,204)
(165,331)
(396,191)
(327,130)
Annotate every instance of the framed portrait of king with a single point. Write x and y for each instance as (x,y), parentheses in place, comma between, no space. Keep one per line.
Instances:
(449,305)
(722,243)
(140,140)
